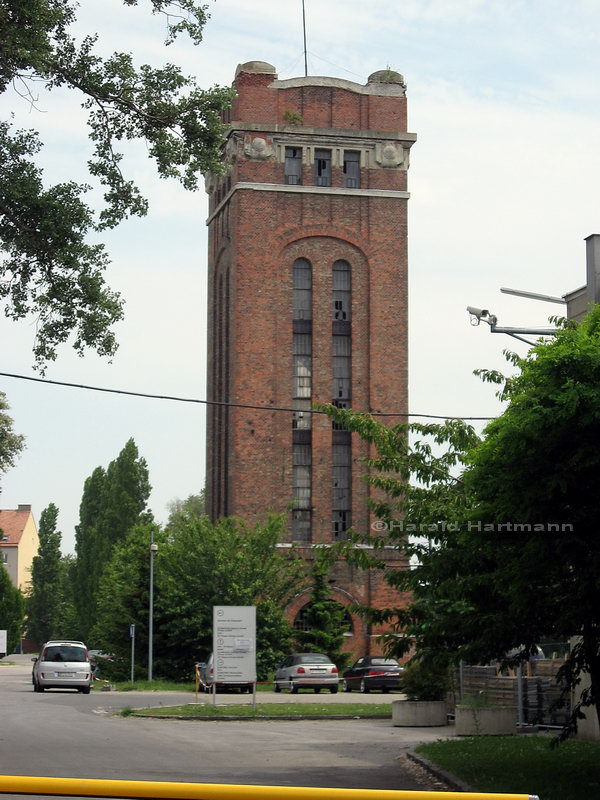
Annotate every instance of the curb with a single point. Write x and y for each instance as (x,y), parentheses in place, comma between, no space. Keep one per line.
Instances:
(255,719)
(455,783)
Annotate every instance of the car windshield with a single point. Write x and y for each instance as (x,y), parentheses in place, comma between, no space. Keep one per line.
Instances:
(384,662)
(313,659)
(64,652)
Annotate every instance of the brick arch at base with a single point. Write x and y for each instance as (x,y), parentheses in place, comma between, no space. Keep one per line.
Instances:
(344,599)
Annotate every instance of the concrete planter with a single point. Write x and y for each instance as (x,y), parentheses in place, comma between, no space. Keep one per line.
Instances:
(418,713)
(487,721)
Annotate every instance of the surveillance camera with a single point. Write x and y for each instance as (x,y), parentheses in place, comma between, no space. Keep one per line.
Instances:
(478,312)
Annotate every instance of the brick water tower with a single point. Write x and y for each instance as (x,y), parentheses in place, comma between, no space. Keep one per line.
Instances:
(307,302)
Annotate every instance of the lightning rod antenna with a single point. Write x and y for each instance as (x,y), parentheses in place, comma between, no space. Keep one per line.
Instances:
(304,32)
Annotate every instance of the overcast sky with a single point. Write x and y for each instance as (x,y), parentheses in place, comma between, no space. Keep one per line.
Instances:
(504,181)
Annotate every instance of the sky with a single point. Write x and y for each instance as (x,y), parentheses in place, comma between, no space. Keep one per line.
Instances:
(504,180)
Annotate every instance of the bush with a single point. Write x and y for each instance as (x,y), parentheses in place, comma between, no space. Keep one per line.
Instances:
(425,681)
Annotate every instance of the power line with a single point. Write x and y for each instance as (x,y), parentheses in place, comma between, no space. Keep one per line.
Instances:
(220,403)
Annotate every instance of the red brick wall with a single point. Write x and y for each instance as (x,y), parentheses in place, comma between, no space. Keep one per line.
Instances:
(253,242)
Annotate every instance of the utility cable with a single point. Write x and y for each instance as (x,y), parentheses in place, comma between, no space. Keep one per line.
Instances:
(221,403)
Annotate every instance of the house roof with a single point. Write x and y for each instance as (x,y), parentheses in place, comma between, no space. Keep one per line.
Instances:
(12,525)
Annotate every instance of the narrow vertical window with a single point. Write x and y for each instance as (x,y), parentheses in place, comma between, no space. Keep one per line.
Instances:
(342,473)
(301,492)
(352,169)
(342,357)
(301,381)
(293,166)
(341,396)
(301,400)
(323,167)
(341,291)
(302,292)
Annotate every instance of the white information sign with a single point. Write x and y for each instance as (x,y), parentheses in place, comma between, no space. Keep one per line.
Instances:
(3,642)
(234,644)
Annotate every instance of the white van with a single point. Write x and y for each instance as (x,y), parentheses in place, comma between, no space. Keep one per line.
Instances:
(62,665)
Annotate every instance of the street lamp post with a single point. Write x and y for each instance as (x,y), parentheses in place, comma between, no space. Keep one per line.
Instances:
(153,549)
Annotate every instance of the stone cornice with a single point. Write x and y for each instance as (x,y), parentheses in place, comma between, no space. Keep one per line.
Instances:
(295,131)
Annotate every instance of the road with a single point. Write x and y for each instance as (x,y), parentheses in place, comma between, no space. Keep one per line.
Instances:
(62,733)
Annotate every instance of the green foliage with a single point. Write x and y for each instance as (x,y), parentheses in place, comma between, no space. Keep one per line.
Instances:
(11,443)
(12,607)
(198,565)
(511,553)
(114,500)
(123,600)
(293,117)
(44,600)
(425,681)
(324,617)
(193,504)
(68,620)
(49,269)
(224,563)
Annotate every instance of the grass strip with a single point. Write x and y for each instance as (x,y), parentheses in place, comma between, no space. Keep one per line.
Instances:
(272,710)
(160,685)
(521,764)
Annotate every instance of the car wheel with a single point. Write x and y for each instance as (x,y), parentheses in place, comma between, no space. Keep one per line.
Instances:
(293,688)
(37,687)
(385,689)
(317,689)
(363,686)
(85,690)
(277,688)
(346,686)
(333,689)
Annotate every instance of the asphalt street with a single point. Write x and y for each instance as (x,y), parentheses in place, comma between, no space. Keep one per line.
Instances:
(67,734)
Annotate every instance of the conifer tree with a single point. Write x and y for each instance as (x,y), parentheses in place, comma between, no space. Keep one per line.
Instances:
(44,601)
(114,500)
(324,617)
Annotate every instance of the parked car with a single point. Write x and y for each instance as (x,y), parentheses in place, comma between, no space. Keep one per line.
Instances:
(307,671)
(62,665)
(207,673)
(97,659)
(373,672)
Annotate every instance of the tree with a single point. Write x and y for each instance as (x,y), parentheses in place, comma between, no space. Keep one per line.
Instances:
(223,563)
(114,500)
(11,610)
(44,600)
(123,600)
(49,268)
(324,617)
(511,554)
(193,504)
(11,443)
(535,478)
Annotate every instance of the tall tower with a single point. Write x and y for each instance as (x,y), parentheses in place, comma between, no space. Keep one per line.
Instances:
(307,303)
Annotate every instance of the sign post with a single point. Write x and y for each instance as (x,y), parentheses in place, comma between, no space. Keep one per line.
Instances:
(234,646)
(132,637)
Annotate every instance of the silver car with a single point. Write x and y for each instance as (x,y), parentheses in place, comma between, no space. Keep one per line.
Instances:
(307,671)
(62,665)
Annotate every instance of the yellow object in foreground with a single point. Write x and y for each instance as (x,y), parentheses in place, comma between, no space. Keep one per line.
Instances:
(85,787)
